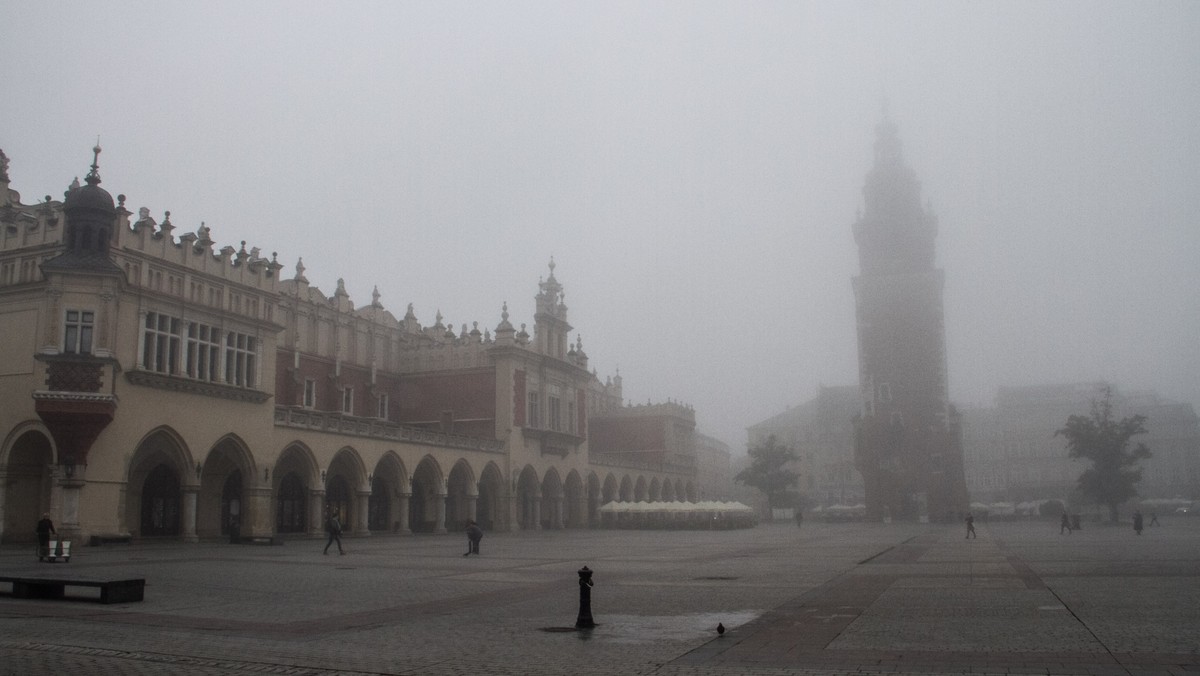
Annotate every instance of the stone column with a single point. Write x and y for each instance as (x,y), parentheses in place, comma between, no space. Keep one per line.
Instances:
(510,517)
(537,513)
(402,513)
(189,513)
(472,505)
(439,521)
(316,513)
(361,520)
(556,512)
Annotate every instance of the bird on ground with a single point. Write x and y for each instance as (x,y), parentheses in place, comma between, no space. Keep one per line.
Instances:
(720,629)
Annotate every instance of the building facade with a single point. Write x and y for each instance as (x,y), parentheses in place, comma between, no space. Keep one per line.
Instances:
(908,445)
(154,384)
(821,432)
(1013,455)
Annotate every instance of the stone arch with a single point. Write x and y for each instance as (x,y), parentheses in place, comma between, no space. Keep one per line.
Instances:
(655,493)
(489,511)
(574,501)
(552,500)
(296,485)
(668,491)
(427,506)
(593,500)
(346,486)
(387,508)
(639,489)
(611,491)
(28,477)
(157,473)
(626,492)
(226,472)
(529,497)
(461,492)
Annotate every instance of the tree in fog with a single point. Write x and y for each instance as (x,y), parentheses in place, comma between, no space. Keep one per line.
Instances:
(1106,442)
(768,471)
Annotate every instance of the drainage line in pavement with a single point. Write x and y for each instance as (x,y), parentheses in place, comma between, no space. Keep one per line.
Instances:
(1089,630)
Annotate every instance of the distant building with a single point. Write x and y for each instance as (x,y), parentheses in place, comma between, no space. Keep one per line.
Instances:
(908,446)
(1013,455)
(821,432)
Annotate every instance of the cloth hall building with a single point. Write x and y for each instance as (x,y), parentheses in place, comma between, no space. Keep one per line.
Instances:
(154,384)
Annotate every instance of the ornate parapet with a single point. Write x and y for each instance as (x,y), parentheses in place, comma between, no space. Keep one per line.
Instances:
(337,423)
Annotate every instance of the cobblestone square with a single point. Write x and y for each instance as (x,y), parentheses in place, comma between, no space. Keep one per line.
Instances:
(825,598)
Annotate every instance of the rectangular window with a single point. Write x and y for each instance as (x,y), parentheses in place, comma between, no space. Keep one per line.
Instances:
(78,336)
(241,362)
(160,352)
(348,400)
(203,355)
(571,417)
(382,411)
(533,419)
(310,393)
(553,412)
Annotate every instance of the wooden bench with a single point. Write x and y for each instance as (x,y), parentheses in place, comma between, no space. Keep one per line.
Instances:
(111,591)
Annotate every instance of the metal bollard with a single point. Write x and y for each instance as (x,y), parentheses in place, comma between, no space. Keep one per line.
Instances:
(584,621)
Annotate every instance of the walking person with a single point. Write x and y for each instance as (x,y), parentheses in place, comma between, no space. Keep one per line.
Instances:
(44,528)
(1065,523)
(1154,519)
(971,526)
(474,535)
(334,527)
(1137,522)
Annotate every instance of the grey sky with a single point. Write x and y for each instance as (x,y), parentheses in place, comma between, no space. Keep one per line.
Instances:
(693,168)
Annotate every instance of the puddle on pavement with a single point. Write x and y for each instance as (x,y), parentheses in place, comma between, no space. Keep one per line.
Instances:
(655,628)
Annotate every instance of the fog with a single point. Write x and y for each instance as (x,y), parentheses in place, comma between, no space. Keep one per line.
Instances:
(692,168)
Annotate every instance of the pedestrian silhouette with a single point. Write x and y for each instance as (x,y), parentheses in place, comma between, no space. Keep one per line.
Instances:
(1065,523)
(1154,519)
(334,527)
(1137,522)
(971,526)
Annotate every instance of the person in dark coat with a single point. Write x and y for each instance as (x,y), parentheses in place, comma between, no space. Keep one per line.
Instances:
(1137,522)
(334,527)
(474,535)
(44,528)
(971,526)
(1065,523)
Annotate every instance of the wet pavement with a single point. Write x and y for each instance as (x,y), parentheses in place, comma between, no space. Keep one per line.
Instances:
(822,599)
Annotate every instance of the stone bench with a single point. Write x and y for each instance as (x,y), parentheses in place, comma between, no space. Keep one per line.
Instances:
(111,591)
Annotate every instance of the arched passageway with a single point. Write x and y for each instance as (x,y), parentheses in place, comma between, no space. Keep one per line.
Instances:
(28,483)
(574,502)
(552,500)
(461,494)
(529,500)
(154,498)
(389,501)
(298,492)
(489,511)
(221,502)
(427,506)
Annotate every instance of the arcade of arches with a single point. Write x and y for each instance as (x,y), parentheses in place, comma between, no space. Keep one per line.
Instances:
(170,491)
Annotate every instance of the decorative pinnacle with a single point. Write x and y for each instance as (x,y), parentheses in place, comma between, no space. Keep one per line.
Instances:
(93,176)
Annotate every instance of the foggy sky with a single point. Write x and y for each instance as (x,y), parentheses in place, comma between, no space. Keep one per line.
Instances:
(693,168)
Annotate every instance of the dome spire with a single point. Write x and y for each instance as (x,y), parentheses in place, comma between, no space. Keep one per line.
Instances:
(93,177)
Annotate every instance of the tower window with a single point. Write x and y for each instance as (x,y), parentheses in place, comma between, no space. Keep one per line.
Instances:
(77,339)
(348,400)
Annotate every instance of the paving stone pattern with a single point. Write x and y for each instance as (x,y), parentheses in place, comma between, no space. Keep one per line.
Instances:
(821,599)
